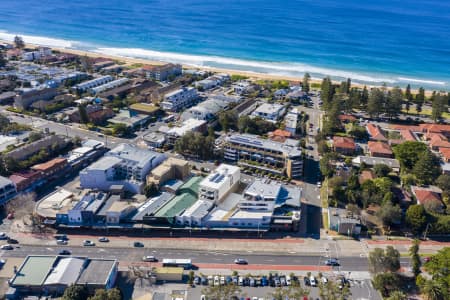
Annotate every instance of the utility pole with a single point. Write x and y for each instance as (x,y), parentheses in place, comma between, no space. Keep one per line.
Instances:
(426,232)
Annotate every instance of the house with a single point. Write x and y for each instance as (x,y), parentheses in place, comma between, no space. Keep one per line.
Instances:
(375,132)
(380,149)
(269,112)
(52,168)
(343,222)
(445,153)
(102,64)
(291,120)
(84,86)
(144,108)
(219,183)
(7,190)
(28,96)
(407,135)
(436,128)
(97,114)
(366,175)
(427,195)
(108,86)
(131,120)
(344,145)
(26,180)
(280,135)
(180,99)
(373,161)
(206,110)
(347,118)
(125,164)
(190,125)
(438,141)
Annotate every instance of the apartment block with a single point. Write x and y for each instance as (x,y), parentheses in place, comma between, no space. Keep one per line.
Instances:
(180,99)
(219,183)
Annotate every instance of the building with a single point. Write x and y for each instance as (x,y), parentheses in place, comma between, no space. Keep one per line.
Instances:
(280,135)
(344,145)
(263,155)
(438,141)
(108,85)
(85,86)
(26,97)
(36,54)
(58,202)
(205,110)
(290,121)
(171,168)
(7,190)
(445,153)
(26,181)
(83,213)
(194,215)
(162,72)
(380,149)
(97,114)
(269,112)
(443,129)
(7,97)
(48,143)
(375,133)
(343,222)
(125,164)
(154,139)
(151,206)
(52,168)
(212,81)
(131,120)
(80,156)
(219,183)
(144,108)
(373,161)
(54,274)
(116,210)
(180,99)
(190,125)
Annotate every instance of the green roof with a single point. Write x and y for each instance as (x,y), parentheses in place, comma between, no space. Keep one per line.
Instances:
(191,186)
(176,205)
(145,107)
(34,270)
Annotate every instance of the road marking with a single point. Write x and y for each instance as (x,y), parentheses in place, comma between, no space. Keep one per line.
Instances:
(50,249)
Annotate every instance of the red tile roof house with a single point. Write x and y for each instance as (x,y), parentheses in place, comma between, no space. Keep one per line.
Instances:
(445,152)
(380,149)
(438,141)
(344,145)
(280,135)
(426,195)
(366,175)
(436,128)
(375,133)
(347,118)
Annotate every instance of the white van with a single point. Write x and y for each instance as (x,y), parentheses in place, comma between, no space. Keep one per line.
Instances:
(216,281)
(241,281)
(288,280)
(313,281)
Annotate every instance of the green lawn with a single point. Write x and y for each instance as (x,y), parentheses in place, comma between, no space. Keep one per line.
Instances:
(425,112)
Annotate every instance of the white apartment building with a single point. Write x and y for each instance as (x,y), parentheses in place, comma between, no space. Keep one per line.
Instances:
(290,121)
(219,183)
(179,99)
(125,164)
(84,86)
(269,112)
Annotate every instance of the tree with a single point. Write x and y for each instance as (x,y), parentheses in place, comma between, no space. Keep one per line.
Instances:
(325,164)
(195,144)
(18,42)
(151,190)
(386,283)
(427,169)
(408,153)
(294,291)
(382,170)
(397,295)
(434,290)
(389,214)
(416,218)
(359,132)
(228,120)
(364,96)
(415,258)
(2,60)
(305,83)
(331,291)
(327,92)
(438,107)
(322,147)
(443,182)
(221,292)
(420,97)
(120,129)
(34,136)
(381,261)
(375,102)
(84,117)
(101,294)
(394,101)
(75,292)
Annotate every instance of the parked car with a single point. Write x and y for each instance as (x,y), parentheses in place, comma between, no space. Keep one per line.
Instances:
(61,237)
(88,243)
(264,281)
(196,280)
(12,241)
(210,280)
(6,247)
(283,280)
(149,258)
(2,263)
(234,279)
(138,244)
(324,279)
(252,282)
(222,280)
(103,239)
(306,281)
(204,281)
(65,252)
(61,242)
(228,279)
(216,281)
(288,280)
(313,281)
(240,261)
(3,236)
(241,281)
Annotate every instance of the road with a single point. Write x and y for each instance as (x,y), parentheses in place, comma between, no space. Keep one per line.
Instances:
(201,257)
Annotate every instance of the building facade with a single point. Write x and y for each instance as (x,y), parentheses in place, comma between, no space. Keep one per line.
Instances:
(7,190)
(180,99)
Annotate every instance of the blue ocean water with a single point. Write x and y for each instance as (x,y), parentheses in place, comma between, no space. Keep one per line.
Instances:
(392,41)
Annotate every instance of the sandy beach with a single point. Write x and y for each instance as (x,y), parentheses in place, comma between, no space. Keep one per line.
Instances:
(252,75)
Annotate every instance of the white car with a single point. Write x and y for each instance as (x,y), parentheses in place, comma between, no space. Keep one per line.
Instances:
(319,184)
(324,279)
(149,258)
(216,281)
(313,281)
(88,243)
(61,242)
(222,280)
(288,280)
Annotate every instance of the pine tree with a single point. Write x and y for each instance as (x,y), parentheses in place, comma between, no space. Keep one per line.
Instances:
(305,83)
(84,117)
(2,60)
(18,42)
(375,103)
(408,94)
(420,97)
(394,102)
(364,96)
(438,106)
(327,92)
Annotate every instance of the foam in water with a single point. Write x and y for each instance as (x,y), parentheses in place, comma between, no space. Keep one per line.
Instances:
(290,69)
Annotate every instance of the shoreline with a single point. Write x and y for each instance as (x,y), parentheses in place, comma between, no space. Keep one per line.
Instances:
(127,60)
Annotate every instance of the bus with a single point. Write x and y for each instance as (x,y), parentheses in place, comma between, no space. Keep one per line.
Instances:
(172,262)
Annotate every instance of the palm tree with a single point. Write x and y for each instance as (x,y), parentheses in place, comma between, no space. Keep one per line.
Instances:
(433,290)
(397,295)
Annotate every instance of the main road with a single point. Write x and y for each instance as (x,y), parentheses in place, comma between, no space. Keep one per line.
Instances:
(129,255)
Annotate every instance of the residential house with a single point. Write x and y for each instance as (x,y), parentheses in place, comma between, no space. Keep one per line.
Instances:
(443,129)
(144,108)
(347,118)
(343,222)
(97,114)
(190,125)
(445,153)
(269,112)
(375,132)
(365,176)
(344,145)
(280,135)
(290,121)
(427,195)
(373,161)
(438,141)
(380,149)
(51,169)
(26,180)
(85,86)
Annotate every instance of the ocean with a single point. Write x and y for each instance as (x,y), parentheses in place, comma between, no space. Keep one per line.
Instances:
(385,41)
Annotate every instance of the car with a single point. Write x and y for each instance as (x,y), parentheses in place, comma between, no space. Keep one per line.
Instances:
(342,282)
(228,279)
(149,258)
(324,279)
(3,236)
(306,281)
(6,247)
(252,282)
(138,244)
(277,281)
(240,261)
(216,281)
(264,281)
(210,280)
(283,280)
(12,241)
(88,243)
(288,280)
(2,263)
(222,280)
(332,262)
(196,280)
(241,281)
(258,281)
(103,239)
(427,259)
(319,184)
(313,281)
(61,242)
(61,237)
(204,280)
(202,297)
(65,252)
(234,279)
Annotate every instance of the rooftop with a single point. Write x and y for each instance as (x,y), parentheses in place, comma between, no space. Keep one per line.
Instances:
(131,153)
(49,164)
(269,108)
(66,271)
(105,163)
(34,270)
(188,125)
(251,140)
(379,147)
(198,209)
(60,201)
(375,132)
(219,176)
(97,271)
(152,205)
(263,190)
(146,107)
(4,181)
(371,161)
(344,142)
